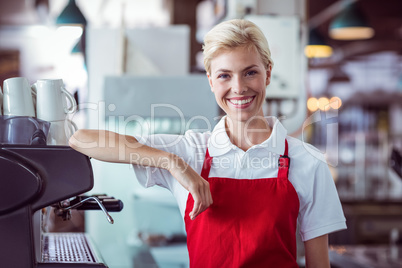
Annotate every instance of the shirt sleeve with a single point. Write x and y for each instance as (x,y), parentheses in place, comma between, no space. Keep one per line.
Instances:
(322,213)
(185,146)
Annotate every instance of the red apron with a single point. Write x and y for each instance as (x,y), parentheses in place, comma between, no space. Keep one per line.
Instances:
(252,223)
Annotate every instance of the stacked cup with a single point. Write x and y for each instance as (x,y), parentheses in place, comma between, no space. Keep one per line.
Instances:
(51,99)
(51,106)
(18,97)
(18,125)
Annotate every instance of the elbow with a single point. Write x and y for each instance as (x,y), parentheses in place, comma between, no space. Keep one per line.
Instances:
(80,140)
(72,142)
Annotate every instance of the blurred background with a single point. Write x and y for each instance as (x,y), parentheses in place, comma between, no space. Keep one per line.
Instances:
(135,67)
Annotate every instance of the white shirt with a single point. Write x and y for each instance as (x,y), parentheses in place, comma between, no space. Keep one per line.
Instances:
(320,210)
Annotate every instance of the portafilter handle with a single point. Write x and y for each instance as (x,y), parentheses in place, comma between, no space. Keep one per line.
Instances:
(109,218)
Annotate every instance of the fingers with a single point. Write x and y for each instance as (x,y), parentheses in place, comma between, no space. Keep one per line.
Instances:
(202,200)
(196,209)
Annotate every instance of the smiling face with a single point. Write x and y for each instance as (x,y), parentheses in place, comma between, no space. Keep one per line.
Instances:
(238,79)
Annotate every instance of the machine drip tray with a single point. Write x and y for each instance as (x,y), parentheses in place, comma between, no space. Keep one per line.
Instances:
(66,248)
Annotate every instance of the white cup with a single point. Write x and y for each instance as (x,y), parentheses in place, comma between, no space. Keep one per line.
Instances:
(60,132)
(51,104)
(18,97)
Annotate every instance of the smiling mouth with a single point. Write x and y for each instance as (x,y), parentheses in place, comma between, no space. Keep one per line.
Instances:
(243,101)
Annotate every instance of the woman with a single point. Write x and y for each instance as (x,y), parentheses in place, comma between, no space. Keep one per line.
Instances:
(243,187)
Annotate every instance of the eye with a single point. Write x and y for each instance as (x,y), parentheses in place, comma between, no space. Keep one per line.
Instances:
(223,76)
(251,73)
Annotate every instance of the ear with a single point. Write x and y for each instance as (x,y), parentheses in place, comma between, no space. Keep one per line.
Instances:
(210,82)
(268,72)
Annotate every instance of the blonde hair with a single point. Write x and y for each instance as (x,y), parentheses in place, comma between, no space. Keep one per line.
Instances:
(232,34)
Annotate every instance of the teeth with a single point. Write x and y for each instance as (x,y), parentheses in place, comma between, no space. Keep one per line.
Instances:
(241,102)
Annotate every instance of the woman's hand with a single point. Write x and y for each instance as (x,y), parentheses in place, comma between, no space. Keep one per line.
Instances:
(194,183)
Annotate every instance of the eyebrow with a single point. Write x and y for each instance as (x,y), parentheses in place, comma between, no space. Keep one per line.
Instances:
(229,71)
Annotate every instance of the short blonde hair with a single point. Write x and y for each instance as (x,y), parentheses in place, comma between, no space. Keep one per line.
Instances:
(232,34)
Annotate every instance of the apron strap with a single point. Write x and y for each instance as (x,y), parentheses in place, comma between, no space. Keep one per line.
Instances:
(206,167)
(283,163)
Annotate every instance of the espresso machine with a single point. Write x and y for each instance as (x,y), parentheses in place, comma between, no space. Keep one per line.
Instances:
(33,179)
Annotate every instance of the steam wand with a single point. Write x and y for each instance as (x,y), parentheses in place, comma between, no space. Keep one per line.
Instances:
(62,210)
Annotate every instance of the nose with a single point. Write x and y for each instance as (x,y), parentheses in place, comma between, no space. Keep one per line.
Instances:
(238,85)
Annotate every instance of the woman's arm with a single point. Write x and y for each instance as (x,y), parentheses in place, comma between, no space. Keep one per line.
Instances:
(317,252)
(113,147)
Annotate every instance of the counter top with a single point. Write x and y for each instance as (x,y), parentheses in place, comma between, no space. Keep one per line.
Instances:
(366,256)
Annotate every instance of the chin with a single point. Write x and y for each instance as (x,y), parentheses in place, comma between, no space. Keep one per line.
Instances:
(242,117)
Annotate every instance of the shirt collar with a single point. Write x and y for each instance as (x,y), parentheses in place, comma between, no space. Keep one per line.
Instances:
(219,142)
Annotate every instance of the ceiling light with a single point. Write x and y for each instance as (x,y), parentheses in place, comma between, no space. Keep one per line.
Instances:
(72,21)
(316,47)
(69,32)
(323,104)
(350,24)
(312,104)
(335,102)
(71,15)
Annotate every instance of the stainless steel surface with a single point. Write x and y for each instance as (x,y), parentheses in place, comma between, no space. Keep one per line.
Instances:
(108,217)
(66,248)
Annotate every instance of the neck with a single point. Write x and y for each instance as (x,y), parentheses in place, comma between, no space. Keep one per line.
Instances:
(246,134)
